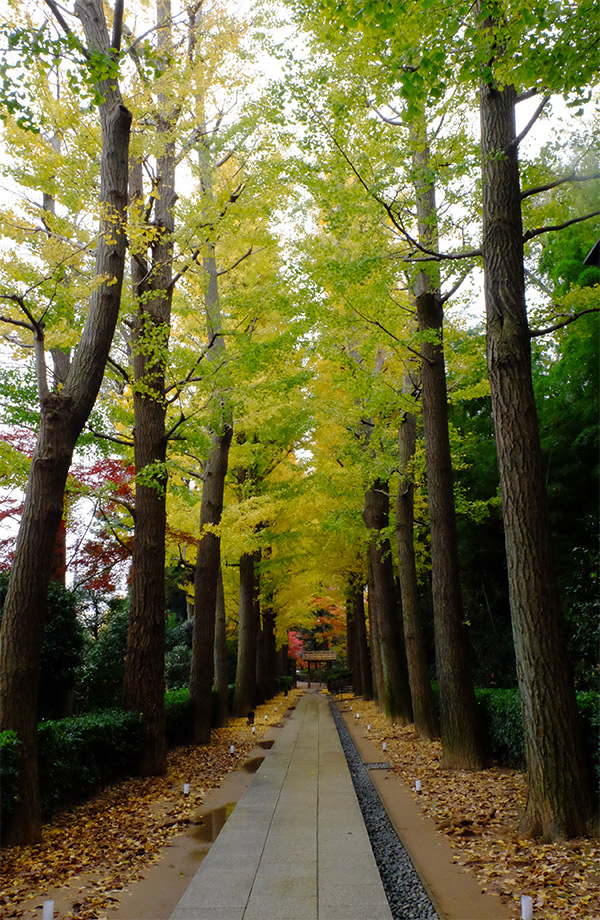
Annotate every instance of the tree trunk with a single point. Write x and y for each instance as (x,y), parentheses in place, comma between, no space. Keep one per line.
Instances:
(269,673)
(206,578)
(62,419)
(559,799)
(426,722)
(144,686)
(393,691)
(351,644)
(363,664)
(245,677)
(221,676)
(460,742)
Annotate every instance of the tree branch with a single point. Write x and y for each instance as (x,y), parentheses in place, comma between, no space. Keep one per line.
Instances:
(572,177)
(517,140)
(224,271)
(530,234)
(534,333)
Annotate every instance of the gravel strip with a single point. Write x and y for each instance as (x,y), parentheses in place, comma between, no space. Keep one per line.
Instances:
(403,888)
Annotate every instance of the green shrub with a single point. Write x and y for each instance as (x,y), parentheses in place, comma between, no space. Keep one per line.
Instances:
(283,683)
(178,712)
(177,667)
(102,680)
(78,756)
(502,728)
(62,649)
(9,772)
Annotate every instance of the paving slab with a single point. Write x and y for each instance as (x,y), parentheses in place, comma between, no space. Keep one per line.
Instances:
(295,846)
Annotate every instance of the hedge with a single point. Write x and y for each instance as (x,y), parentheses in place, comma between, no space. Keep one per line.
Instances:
(79,755)
(9,772)
(500,719)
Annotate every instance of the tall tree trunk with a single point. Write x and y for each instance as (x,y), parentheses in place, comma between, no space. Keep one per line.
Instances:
(426,722)
(351,644)
(460,742)
(206,579)
(244,698)
(144,686)
(208,564)
(363,664)
(559,798)
(393,693)
(265,660)
(62,419)
(221,676)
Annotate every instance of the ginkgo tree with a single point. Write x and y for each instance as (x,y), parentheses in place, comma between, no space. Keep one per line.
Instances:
(64,412)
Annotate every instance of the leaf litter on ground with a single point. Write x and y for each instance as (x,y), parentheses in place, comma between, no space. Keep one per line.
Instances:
(479,813)
(107,842)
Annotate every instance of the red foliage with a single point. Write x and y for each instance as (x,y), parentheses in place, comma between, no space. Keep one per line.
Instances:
(21,439)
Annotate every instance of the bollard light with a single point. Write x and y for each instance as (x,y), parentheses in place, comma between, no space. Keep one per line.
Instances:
(358,715)
(369,727)
(417,785)
(186,788)
(232,748)
(266,717)
(48,910)
(526,907)
(383,746)
(351,709)
(253,729)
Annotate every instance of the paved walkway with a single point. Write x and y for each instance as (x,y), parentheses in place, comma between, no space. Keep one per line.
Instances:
(295,847)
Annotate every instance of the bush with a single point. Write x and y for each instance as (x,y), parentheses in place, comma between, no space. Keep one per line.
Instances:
(177,667)
(283,683)
(502,727)
(102,680)
(78,756)
(9,772)
(62,649)
(178,711)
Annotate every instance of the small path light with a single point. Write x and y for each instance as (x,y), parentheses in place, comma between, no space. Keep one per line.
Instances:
(526,907)
(358,715)
(48,910)
(384,746)
(186,788)
(253,729)
(266,718)
(417,785)
(369,727)
(232,748)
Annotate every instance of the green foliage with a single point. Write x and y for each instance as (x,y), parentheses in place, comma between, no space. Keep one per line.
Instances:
(283,683)
(177,667)
(102,678)
(62,649)
(501,722)
(178,711)
(9,772)
(78,756)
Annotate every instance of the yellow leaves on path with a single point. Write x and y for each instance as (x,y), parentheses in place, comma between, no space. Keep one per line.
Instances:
(97,849)
(478,813)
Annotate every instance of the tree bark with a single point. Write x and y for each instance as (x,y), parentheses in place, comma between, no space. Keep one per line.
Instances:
(208,567)
(363,664)
(62,419)
(426,722)
(351,644)
(245,677)
(460,741)
(221,676)
(559,798)
(144,686)
(393,692)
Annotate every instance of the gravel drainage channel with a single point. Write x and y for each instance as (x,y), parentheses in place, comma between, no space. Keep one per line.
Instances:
(404,890)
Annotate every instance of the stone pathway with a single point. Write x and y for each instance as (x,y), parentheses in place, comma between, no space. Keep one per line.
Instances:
(295,847)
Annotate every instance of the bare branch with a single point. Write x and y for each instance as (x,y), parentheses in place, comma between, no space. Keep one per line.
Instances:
(454,288)
(517,140)
(103,436)
(533,333)
(224,271)
(572,177)
(530,234)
